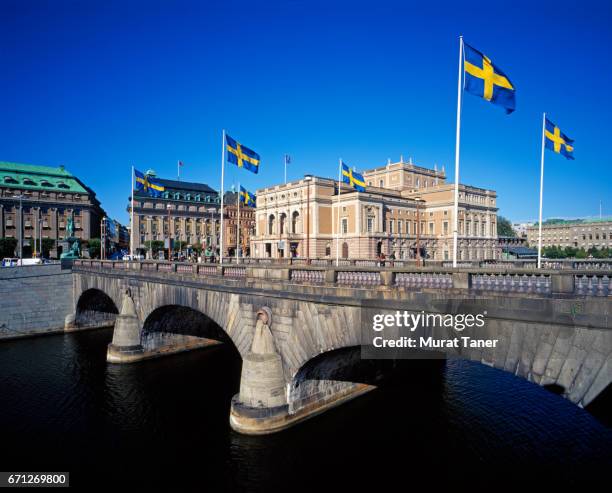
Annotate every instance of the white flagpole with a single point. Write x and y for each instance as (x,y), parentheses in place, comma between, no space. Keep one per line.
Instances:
(132,218)
(338,214)
(457,144)
(222,185)
(541,191)
(238,231)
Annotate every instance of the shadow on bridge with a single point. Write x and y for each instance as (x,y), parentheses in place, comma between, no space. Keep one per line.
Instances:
(344,369)
(95,309)
(177,325)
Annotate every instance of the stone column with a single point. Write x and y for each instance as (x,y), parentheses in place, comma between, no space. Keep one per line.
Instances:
(261,406)
(125,346)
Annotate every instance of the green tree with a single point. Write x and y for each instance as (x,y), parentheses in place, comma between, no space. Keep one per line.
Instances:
(94,246)
(504,227)
(47,245)
(7,247)
(154,245)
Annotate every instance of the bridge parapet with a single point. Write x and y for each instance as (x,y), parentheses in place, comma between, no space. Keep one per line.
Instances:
(544,282)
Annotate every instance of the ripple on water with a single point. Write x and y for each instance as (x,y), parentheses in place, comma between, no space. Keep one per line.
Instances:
(65,408)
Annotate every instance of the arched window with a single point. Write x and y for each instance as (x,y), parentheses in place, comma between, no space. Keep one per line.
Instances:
(271,224)
(295,217)
(345,250)
(283,220)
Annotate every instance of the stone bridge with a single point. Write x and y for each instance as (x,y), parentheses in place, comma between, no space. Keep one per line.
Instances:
(300,329)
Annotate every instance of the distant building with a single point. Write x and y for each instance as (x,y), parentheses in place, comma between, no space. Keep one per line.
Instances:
(50,196)
(580,233)
(247,226)
(521,228)
(403,206)
(187,212)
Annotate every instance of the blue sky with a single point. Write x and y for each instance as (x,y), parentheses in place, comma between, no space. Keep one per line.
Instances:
(99,86)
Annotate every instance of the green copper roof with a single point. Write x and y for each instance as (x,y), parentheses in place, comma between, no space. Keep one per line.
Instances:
(33,177)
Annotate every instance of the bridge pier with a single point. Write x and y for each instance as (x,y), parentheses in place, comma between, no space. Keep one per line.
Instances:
(125,346)
(262,405)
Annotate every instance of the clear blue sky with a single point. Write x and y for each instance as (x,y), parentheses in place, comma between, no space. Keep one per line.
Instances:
(99,86)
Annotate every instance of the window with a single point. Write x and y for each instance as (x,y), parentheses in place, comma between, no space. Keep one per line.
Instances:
(370,224)
(61,184)
(344,225)
(431,228)
(399,227)
(391,226)
(445,230)
(381,183)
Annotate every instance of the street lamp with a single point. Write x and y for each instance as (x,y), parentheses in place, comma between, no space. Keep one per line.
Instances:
(308,179)
(20,197)
(418,201)
(169,208)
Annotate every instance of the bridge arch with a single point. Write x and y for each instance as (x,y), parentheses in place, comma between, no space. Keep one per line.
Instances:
(95,307)
(180,320)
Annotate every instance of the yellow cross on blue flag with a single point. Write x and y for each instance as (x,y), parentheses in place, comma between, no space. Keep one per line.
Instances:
(557,141)
(241,156)
(148,184)
(353,178)
(483,78)
(246,197)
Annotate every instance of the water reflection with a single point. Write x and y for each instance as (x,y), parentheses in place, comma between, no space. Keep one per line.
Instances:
(165,421)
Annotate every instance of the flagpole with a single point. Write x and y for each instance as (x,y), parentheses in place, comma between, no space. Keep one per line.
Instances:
(338,214)
(178,170)
(238,232)
(541,191)
(285,169)
(222,184)
(457,145)
(132,219)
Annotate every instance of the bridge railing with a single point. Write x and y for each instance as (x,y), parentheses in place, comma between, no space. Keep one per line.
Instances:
(511,279)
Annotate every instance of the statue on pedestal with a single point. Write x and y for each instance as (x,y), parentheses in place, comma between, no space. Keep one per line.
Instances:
(75,244)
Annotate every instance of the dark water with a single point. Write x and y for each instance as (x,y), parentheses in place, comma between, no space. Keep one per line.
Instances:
(165,421)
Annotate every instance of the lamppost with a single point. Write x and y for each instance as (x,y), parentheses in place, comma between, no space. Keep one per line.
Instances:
(103,239)
(418,201)
(20,197)
(308,179)
(169,208)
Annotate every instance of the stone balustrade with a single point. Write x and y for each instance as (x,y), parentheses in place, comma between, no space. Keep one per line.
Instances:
(588,282)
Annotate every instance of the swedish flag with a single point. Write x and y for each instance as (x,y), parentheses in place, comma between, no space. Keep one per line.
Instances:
(483,78)
(353,178)
(247,198)
(241,156)
(557,141)
(148,184)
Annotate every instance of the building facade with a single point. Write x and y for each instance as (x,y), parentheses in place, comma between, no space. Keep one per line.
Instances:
(49,197)
(595,233)
(231,224)
(186,212)
(189,212)
(404,208)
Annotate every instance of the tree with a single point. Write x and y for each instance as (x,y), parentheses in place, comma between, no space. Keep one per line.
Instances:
(504,227)
(94,247)
(47,245)
(7,247)
(154,245)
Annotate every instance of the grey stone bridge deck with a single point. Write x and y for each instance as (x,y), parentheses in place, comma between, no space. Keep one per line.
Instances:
(299,328)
